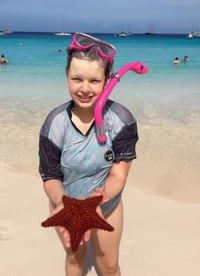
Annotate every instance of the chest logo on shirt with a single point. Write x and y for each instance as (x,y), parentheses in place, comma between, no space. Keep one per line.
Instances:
(108,156)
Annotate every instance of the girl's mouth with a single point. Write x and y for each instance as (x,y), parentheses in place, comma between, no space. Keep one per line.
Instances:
(85,99)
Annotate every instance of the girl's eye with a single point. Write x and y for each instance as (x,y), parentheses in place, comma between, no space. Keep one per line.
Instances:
(76,79)
(95,81)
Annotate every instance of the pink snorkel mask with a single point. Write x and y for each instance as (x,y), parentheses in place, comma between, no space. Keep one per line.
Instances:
(84,42)
(136,67)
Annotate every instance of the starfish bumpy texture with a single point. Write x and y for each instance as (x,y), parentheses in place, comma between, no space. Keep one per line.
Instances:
(78,216)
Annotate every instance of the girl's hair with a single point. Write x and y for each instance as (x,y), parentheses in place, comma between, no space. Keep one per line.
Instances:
(91,55)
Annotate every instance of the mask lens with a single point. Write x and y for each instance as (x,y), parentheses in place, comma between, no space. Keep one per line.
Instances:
(106,49)
(84,40)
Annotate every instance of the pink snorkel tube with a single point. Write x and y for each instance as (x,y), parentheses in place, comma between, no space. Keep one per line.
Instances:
(136,67)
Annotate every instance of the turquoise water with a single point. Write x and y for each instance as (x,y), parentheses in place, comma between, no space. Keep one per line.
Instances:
(34,80)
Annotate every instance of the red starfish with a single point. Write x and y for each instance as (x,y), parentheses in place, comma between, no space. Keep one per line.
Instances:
(78,216)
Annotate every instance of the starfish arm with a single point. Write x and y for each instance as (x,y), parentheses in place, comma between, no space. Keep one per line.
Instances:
(93,220)
(55,220)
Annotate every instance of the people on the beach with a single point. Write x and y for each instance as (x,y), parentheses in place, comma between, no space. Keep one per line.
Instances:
(176,60)
(73,163)
(3,59)
(186,59)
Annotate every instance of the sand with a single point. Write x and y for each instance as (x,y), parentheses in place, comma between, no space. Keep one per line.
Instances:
(161,234)
(161,237)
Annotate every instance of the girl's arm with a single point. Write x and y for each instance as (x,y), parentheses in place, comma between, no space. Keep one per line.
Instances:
(116,180)
(54,190)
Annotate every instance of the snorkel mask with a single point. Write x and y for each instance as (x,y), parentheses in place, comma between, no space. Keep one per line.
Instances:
(84,42)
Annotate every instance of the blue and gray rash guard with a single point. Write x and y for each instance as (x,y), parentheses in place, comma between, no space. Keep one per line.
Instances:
(79,161)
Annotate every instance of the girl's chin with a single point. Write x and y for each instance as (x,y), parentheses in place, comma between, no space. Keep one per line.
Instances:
(84,105)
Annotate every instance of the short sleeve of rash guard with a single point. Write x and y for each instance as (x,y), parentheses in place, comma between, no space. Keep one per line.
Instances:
(125,132)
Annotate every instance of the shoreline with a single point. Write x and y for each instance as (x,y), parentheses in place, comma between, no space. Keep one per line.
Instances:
(167,164)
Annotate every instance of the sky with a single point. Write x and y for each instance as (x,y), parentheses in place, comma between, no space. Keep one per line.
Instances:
(100,16)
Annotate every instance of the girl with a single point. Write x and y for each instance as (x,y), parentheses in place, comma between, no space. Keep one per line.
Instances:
(72,162)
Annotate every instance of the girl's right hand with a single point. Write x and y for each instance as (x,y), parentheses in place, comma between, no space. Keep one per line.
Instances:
(63,233)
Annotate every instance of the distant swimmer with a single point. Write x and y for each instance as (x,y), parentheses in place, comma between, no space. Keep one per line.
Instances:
(176,60)
(3,60)
(186,59)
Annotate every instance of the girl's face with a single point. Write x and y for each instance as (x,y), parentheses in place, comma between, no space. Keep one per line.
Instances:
(86,80)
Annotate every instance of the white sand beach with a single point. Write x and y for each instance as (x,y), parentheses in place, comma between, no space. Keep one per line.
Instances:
(162,211)
(161,237)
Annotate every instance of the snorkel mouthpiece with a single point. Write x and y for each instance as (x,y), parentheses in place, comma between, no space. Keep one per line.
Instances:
(138,68)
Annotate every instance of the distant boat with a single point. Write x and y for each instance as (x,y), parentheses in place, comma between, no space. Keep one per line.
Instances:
(63,34)
(193,35)
(190,36)
(150,30)
(149,33)
(5,32)
(121,34)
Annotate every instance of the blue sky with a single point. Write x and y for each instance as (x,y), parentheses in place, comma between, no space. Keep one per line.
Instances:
(161,16)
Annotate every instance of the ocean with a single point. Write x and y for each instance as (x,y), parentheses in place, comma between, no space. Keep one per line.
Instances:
(33,82)
(34,79)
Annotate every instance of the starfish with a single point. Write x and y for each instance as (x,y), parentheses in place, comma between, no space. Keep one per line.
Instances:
(78,216)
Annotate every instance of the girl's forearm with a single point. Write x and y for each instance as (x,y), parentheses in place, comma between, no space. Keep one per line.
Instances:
(54,190)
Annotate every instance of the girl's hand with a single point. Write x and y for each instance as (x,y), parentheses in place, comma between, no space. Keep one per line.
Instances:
(65,236)
(63,232)
(99,212)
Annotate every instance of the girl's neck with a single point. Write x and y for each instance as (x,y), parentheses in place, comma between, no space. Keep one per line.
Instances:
(84,115)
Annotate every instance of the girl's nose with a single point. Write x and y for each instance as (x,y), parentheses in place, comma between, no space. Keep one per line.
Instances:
(85,86)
